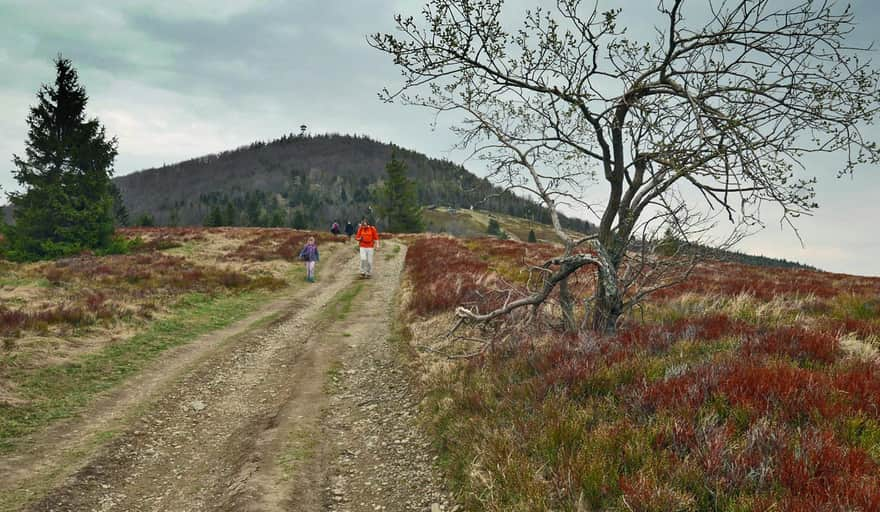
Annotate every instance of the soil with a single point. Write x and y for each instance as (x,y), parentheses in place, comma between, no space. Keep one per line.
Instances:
(301,407)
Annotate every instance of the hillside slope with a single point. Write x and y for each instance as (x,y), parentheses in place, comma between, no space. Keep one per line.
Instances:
(307,182)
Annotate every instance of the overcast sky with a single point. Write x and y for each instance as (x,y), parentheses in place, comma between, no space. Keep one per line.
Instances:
(175,79)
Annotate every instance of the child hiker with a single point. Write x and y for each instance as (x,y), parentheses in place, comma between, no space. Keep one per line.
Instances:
(309,254)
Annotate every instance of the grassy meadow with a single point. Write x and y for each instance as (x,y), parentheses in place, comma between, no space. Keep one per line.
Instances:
(74,327)
(744,388)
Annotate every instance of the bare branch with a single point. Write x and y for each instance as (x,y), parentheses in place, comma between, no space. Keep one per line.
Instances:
(731,108)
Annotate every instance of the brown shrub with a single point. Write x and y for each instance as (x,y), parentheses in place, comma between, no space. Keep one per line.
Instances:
(795,342)
(444,274)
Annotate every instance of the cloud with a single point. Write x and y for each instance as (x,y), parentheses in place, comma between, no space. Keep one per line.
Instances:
(174,79)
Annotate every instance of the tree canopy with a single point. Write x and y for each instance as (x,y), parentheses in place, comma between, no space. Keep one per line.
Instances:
(727,107)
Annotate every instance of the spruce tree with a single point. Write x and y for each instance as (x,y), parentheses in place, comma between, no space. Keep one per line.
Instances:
(66,203)
(399,202)
(299,220)
(277,219)
(146,220)
(215,217)
(493,228)
(120,212)
(230,215)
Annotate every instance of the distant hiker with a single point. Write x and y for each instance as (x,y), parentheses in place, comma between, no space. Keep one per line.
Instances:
(309,254)
(349,229)
(368,238)
(335,228)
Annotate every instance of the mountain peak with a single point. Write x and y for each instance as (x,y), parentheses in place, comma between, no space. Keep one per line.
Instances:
(311,180)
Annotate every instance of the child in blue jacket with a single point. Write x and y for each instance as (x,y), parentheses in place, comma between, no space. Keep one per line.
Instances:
(309,254)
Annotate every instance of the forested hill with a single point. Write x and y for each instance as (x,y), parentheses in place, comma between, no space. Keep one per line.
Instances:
(304,181)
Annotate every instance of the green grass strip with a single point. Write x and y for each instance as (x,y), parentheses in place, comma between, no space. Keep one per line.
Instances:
(61,391)
(341,304)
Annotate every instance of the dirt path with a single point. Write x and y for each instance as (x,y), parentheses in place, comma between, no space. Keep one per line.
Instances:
(309,413)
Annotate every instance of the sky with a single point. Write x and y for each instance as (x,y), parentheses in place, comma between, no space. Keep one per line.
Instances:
(176,79)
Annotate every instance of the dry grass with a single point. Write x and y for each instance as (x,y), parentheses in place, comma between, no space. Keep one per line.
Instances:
(55,312)
(863,350)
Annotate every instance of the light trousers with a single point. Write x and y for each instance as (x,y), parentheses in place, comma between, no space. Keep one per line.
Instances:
(366,260)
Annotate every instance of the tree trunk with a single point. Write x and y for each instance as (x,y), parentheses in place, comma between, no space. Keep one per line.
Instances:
(607,308)
(566,301)
(608,299)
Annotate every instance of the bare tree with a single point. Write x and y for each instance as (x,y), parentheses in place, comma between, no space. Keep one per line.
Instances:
(724,107)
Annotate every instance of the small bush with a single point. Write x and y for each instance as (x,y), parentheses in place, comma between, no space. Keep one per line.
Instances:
(795,342)
(861,385)
(822,474)
(444,274)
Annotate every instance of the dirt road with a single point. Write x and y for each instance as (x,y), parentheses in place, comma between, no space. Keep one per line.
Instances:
(303,407)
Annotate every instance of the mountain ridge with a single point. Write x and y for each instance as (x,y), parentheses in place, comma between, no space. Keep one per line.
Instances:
(310,180)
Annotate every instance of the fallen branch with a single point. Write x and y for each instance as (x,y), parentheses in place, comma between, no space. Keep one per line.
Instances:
(567,265)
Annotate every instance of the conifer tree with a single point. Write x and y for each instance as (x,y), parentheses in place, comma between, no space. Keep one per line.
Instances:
(277,219)
(299,220)
(146,220)
(66,203)
(230,215)
(215,217)
(120,212)
(493,228)
(399,203)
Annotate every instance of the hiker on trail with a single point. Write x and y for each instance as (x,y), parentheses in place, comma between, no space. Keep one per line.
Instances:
(368,238)
(335,228)
(349,229)
(309,254)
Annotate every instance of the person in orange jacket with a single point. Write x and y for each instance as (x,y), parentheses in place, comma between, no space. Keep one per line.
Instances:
(368,239)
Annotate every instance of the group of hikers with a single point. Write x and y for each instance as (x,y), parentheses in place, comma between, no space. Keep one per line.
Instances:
(368,241)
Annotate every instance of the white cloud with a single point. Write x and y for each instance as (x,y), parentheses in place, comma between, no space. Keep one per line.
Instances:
(198,9)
